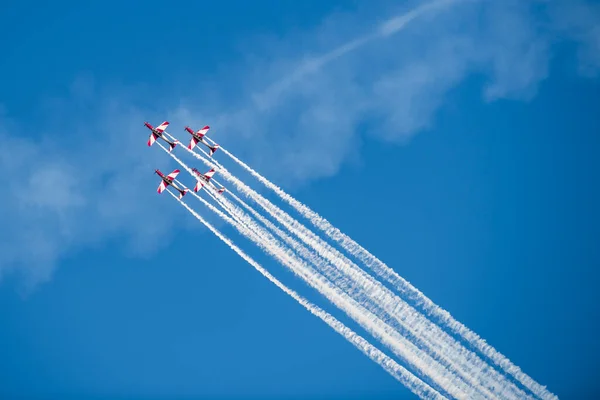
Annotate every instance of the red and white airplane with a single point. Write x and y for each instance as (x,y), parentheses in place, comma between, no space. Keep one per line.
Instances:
(203,179)
(199,137)
(158,133)
(168,180)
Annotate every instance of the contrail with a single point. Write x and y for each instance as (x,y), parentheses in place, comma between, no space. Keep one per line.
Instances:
(267,205)
(441,341)
(383,30)
(484,379)
(372,323)
(403,286)
(375,326)
(399,345)
(409,321)
(333,275)
(442,347)
(416,385)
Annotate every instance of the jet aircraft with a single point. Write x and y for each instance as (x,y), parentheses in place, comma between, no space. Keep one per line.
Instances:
(158,132)
(167,180)
(204,179)
(199,137)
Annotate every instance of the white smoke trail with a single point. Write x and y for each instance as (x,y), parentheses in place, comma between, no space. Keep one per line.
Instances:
(443,348)
(417,386)
(404,349)
(403,286)
(399,345)
(372,323)
(409,321)
(446,347)
(423,330)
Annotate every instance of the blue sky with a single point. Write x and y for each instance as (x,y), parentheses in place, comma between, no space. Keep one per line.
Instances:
(460,150)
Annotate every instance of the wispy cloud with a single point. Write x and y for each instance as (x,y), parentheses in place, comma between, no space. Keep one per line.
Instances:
(76,182)
(296,108)
(314,64)
(388,86)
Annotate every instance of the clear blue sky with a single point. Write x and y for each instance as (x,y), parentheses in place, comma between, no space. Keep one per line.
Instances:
(462,151)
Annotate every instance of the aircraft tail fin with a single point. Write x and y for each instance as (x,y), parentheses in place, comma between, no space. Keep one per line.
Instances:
(213,149)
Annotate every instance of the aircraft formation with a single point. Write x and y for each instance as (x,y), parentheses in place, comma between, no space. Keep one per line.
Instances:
(202,179)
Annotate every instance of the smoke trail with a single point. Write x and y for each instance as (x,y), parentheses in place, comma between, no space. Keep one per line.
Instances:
(417,386)
(403,286)
(335,277)
(399,345)
(448,348)
(410,321)
(372,323)
(442,341)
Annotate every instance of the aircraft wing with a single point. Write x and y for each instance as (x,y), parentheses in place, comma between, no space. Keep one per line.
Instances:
(152,139)
(209,174)
(199,185)
(161,187)
(173,174)
(161,128)
(203,131)
(193,143)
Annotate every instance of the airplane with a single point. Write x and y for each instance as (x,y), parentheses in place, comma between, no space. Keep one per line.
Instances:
(204,179)
(168,180)
(199,137)
(158,133)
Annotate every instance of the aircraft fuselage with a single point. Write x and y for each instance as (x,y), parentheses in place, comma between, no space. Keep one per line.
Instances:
(161,136)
